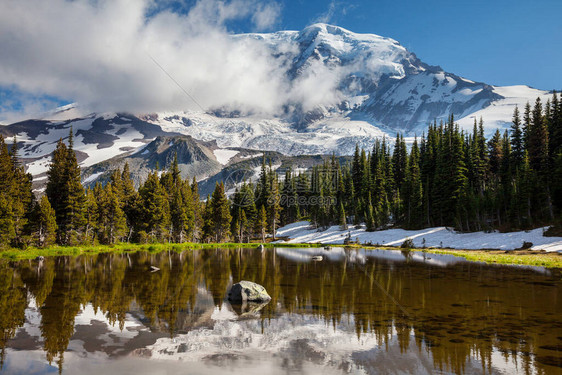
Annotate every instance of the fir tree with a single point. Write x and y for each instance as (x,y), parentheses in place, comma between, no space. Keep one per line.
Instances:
(44,223)
(413,191)
(343,218)
(261,223)
(66,193)
(154,208)
(220,213)
(517,146)
(273,204)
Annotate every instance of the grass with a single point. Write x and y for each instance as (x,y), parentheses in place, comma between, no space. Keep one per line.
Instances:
(33,252)
(515,257)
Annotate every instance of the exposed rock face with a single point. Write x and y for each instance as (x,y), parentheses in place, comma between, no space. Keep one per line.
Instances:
(247,291)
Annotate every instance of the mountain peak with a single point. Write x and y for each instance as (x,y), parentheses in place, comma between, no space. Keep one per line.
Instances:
(324,29)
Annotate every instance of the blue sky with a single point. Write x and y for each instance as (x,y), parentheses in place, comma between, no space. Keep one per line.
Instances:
(495,41)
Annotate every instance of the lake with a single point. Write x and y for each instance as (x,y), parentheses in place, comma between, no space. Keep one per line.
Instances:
(356,312)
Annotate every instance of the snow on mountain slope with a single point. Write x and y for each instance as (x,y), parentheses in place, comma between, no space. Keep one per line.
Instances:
(500,112)
(96,138)
(223,156)
(332,134)
(343,89)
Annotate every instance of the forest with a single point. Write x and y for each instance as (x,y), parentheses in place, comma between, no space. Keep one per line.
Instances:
(449,177)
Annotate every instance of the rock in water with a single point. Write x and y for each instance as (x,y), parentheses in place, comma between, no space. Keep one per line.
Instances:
(247,291)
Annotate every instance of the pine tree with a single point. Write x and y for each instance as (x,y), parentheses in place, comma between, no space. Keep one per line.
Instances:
(91,215)
(538,140)
(44,223)
(516,140)
(154,209)
(74,204)
(7,224)
(527,124)
(413,189)
(220,212)
(370,217)
(343,218)
(399,159)
(207,230)
(22,197)
(112,225)
(261,223)
(495,151)
(555,126)
(66,193)
(196,232)
(7,231)
(273,204)
(244,227)
(130,202)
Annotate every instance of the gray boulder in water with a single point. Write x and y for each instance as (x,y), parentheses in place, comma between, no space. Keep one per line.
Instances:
(247,291)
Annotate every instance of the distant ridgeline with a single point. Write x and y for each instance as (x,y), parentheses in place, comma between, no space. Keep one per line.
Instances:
(449,177)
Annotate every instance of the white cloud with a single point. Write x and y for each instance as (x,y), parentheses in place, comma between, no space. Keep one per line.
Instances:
(266,15)
(328,15)
(98,53)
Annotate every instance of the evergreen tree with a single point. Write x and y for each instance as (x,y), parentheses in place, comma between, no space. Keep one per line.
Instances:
(555,126)
(261,223)
(273,204)
(91,215)
(538,140)
(154,209)
(495,151)
(112,225)
(220,213)
(66,193)
(343,218)
(413,190)
(44,223)
(130,203)
(517,146)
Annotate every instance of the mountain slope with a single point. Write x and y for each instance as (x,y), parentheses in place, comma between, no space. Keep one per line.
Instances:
(343,89)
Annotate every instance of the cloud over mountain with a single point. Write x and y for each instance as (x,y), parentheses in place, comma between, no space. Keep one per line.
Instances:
(99,53)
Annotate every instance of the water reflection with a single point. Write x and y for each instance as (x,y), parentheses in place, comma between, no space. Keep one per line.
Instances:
(358,311)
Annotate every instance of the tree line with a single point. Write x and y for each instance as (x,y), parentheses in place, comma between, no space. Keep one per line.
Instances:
(448,177)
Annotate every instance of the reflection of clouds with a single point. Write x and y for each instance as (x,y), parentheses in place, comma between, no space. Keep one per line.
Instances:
(302,343)
(305,344)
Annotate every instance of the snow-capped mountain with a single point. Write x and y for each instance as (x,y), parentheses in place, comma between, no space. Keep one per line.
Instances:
(370,87)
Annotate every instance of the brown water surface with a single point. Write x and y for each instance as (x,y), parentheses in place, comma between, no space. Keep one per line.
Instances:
(355,311)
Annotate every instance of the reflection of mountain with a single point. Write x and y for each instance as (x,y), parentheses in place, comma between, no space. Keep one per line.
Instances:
(360,256)
(335,313)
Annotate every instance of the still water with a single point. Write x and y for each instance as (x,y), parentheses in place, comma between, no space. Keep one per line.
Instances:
(355,312)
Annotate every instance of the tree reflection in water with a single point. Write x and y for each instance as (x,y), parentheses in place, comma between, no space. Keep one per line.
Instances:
(457,311)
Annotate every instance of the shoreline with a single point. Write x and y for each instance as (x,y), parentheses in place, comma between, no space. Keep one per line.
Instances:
(490,256)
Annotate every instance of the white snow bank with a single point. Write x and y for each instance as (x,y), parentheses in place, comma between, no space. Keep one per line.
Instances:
(303,232)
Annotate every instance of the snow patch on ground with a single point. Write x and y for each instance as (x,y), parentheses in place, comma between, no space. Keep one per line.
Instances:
(303,232)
